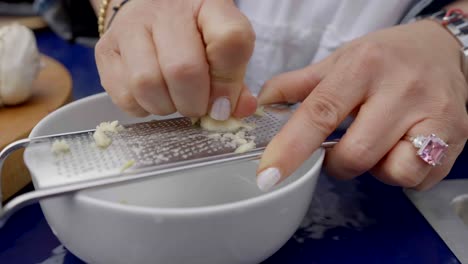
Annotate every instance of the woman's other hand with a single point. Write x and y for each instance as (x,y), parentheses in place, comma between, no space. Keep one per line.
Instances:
(404,80)
(190,56)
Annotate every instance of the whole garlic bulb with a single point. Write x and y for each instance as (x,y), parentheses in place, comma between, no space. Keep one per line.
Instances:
(19,63)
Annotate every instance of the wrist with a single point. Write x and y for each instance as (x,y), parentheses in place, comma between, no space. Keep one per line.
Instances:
(445,45)
(454,21)
(440,33)
(433,33)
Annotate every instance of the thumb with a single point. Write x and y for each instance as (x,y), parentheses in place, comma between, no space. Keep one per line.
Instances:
(229,40)
(294,86)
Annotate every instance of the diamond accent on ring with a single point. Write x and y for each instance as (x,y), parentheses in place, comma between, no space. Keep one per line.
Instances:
(431,149)
(419,141)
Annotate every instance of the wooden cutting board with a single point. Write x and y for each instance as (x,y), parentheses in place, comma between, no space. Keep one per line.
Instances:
(32,22)
(51,90)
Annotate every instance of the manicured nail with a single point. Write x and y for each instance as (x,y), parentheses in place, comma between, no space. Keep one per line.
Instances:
(221,109)
(268,178)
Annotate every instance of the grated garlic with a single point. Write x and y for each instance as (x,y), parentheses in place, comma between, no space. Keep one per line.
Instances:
(245,147)
(112,127)
(127,165)
(60,146)
(101,139)
(230,125)
(260,111)
(194,120)
(215,136)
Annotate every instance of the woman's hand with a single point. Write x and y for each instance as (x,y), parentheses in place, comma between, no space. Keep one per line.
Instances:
(189,56)
(405,80)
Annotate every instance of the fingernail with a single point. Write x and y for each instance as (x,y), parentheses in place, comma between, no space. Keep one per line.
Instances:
(268,178)
(221,109)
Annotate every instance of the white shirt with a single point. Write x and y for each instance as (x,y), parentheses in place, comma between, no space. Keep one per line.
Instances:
(291,34)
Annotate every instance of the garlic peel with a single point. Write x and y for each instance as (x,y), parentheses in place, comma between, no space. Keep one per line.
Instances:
(19,64)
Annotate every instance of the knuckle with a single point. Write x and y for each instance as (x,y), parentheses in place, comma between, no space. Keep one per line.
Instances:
(185,70)
(103,53)
(311,78)
(238,31)
(103,48)
(239,38)
(415,86)
(370,55)
(412,90)
(126,102)
(357,158)
(142,81)
(322,113)
(418,89)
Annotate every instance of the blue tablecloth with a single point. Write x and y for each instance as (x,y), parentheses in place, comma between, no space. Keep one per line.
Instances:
(358,221)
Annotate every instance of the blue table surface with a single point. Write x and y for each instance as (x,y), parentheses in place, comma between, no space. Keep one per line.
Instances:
(358,221)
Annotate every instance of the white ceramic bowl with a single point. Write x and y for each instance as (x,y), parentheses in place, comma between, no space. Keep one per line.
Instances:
(214,215)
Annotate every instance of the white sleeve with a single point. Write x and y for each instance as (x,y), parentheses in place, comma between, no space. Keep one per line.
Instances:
(356,18)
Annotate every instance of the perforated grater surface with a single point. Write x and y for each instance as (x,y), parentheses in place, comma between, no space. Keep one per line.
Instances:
(151,145)
(156,147)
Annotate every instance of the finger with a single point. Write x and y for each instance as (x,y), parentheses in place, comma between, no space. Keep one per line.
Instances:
(380,123)
(111,72)
(229,40)
(440,172)
(181,55)
(246,105)
(319,115)
(295,86)
(402,166)
(459,136)
(144,76)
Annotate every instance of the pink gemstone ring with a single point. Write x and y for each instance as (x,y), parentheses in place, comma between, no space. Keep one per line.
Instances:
(431,148)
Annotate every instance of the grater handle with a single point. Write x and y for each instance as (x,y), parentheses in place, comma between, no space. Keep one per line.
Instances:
(6,152)
(9,149)
(34,196)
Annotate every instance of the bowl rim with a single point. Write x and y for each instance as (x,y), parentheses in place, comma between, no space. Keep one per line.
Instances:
(181,211)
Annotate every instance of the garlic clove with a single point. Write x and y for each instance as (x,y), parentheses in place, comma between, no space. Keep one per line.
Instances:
(19,63)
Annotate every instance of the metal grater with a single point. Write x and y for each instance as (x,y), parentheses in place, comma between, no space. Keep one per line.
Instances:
(156,147)
(151,145)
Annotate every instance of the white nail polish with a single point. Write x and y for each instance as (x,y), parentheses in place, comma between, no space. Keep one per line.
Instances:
(221,109)
(268,178)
